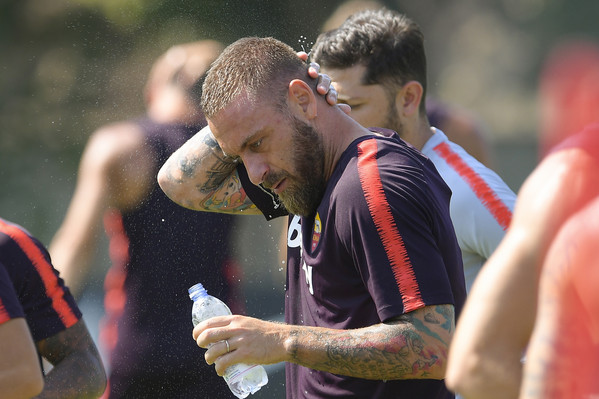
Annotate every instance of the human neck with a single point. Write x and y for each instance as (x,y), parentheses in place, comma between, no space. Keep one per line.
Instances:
(417,133)
(338,131)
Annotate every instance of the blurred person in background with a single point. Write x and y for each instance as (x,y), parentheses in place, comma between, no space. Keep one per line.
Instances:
(562,360)
(158,249)
(459,124)
(39,318)
(495,328)
(541,278)
(366,59)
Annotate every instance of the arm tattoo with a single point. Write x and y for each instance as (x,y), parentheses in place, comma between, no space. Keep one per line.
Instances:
(411,346)
(216,174)
(220,168)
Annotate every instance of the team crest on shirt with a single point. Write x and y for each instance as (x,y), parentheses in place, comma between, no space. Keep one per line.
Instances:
(316,231)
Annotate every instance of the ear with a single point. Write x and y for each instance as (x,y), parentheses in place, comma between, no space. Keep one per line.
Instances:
(302,99)
(409,97)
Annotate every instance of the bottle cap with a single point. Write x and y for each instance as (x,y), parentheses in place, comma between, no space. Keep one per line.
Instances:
(196,291)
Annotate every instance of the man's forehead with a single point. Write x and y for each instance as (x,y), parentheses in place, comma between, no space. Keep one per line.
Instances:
(233,125)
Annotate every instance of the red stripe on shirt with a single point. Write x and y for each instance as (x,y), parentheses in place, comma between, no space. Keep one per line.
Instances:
(45,270)
(115,296)
(481,189)
(386,227)
(4,316)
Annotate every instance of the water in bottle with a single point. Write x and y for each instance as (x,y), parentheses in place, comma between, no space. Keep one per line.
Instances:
(242,379)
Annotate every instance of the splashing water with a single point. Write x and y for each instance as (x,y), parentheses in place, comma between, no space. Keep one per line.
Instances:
(303,42)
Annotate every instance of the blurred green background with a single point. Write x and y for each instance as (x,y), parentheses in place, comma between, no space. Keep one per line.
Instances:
(67,67)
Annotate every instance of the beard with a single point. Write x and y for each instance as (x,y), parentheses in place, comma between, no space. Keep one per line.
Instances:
(306,187)
(392,120)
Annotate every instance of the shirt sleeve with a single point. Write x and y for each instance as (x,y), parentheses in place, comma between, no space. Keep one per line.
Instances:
(10,308)
(47,303)
(484,218)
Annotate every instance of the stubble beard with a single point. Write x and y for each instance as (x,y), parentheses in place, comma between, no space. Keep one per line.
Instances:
(392,120)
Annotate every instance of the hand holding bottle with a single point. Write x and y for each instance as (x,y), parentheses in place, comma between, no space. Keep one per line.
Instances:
(242,379)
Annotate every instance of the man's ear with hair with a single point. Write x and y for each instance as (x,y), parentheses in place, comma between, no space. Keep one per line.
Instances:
(302,101)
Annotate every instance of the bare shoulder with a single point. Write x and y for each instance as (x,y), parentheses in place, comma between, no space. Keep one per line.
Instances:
(118,158)
(111,142)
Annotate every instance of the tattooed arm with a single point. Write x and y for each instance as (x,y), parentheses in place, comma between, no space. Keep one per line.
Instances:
(412,346)
(199,176)
(77,370)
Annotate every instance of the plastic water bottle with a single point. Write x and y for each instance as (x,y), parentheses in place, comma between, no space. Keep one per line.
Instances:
(242,379)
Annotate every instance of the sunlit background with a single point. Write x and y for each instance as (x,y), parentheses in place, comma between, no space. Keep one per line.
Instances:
(67,67)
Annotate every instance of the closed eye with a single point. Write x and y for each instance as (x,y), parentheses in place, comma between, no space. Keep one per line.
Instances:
(256,144)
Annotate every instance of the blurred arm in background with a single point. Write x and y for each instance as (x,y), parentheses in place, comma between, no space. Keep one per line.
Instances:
(494,330)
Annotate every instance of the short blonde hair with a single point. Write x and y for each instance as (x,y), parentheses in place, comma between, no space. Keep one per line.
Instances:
(260,68)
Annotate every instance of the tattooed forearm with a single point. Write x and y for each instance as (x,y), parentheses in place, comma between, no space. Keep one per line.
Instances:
(216,174)
(200,176)
(414,346)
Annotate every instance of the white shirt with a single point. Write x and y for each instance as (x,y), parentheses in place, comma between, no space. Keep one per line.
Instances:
(481,204)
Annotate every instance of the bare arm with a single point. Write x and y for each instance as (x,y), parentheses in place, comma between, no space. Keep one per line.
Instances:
(497,320)
(413,346)
(78,371)
(560,361)
(20,374)
(199,176)
(115,171)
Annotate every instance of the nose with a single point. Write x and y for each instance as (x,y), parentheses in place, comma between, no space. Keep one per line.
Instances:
(256,167)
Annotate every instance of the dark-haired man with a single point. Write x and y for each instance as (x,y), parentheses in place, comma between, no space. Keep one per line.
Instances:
(377,63)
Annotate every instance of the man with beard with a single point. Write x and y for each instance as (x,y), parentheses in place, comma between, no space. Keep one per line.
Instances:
(374,274)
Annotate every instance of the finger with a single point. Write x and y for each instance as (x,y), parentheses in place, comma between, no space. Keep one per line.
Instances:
(206,334)
(217,321)
(324,85)
(303,55)
(332,96)
(217,351)
(313,70)
(345,108)
(197,330)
